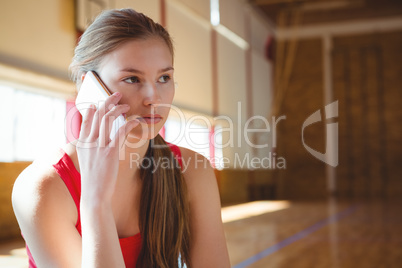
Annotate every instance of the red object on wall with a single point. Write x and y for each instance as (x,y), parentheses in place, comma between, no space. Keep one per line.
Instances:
(270,48)
(162,132)
(73,122)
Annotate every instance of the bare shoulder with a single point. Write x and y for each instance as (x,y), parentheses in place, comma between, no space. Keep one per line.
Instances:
(37,185)
(197,171)
(194,163)
(200,179)
(46,214)
(37,176)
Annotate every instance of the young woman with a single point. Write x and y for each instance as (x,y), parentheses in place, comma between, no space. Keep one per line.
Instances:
(101,205)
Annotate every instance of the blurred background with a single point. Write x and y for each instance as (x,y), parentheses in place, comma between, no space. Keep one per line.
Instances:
(295,102)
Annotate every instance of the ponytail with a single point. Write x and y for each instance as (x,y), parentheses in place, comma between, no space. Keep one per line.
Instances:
(164,212)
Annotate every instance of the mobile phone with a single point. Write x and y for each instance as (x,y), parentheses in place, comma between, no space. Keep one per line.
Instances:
(93,91)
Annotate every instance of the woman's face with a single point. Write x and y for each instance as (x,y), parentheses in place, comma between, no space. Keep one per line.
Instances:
(142,71)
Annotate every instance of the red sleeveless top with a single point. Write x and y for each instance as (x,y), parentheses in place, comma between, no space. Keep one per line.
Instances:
(130,246)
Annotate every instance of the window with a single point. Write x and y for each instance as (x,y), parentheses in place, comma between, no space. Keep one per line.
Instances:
(193,131)
(191,134)
(31,124)
(215,16)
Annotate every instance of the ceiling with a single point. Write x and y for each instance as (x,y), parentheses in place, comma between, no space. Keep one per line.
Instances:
(310,12)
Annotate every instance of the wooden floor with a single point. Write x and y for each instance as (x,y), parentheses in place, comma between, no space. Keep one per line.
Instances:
(13,254)
(322,234)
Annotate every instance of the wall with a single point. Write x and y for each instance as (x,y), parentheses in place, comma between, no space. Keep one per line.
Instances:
(367,78)
(8,223)
(38,35)
(212,71)
(243,77)
(366,82)
(304,176)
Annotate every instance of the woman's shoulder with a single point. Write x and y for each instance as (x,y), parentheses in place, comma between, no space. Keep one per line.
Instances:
(193,161)
(42,205)
(41,169)
(38,183)
(198,174)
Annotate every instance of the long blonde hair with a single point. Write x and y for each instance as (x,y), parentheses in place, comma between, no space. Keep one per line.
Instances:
(164,212)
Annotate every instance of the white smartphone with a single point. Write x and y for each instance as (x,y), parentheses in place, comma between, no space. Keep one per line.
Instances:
(93,91)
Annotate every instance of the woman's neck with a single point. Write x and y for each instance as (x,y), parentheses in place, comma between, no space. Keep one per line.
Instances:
(131,154)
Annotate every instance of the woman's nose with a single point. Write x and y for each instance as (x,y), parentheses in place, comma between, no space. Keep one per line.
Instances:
(151,95)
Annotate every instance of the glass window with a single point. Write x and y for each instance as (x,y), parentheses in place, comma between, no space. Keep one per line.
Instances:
(193,131)
(191,135)
(32,124)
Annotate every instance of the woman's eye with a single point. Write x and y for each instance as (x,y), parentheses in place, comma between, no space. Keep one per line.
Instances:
(164,79)
(132,80)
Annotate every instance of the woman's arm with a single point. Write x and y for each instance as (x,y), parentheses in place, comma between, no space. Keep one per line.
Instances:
(208,245)
(47,214)
(98,158)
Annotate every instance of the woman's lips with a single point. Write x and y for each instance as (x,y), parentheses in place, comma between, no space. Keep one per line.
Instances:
(149,120)
(154,119)
(146,119)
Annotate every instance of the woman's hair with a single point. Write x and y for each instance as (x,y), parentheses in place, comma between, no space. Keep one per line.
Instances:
(164,212)
(165,226)
(109,30)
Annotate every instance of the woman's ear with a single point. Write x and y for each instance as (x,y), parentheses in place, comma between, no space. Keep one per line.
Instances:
(83,76)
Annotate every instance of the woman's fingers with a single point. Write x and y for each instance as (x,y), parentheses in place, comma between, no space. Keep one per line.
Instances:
(107,122)
(104,108)
(123,132)
(98,123)
(87,121)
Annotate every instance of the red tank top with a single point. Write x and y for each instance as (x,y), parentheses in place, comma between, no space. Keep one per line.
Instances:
(130,246)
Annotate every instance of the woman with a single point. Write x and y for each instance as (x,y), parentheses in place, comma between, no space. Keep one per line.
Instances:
(91,206)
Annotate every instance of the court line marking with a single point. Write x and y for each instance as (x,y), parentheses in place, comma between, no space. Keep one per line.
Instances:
(300,235)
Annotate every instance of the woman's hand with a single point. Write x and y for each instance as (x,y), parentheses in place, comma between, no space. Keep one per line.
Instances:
(98,155)
(98,158)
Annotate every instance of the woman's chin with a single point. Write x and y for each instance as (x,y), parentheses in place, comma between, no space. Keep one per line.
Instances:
(143,133)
